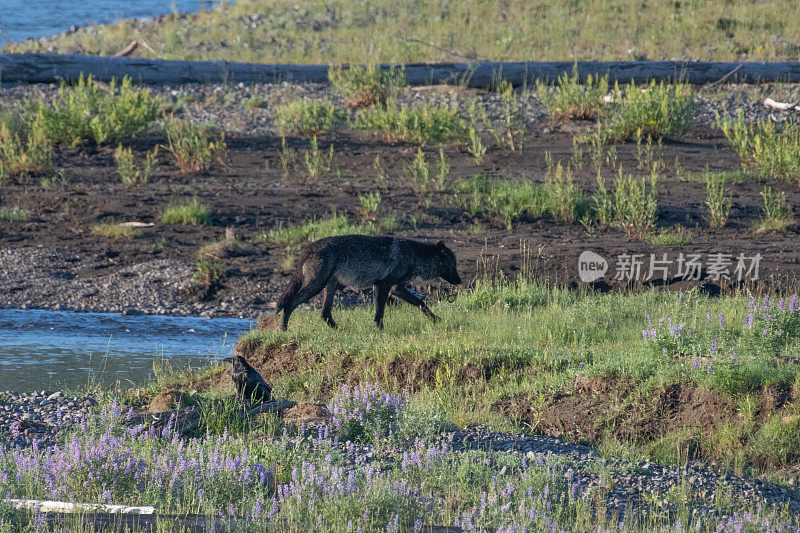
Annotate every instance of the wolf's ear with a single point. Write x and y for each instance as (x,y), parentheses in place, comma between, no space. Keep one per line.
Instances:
(440,245)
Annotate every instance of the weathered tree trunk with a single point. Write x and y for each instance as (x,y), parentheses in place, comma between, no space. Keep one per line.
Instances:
(43,68)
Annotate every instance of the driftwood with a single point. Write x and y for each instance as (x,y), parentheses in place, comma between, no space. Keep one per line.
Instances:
(128,50)
(783,106)
(44,68)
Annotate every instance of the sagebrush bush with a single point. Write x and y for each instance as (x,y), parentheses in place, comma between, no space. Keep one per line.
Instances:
(361,86)
(572,100)
(772,150)
(191,147)
(426,124)
(305,117)
(89,112)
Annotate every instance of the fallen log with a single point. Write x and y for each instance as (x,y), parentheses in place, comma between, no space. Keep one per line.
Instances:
(44,68)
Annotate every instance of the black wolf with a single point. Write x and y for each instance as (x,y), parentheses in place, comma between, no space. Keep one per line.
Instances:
(360,261)
(249,383)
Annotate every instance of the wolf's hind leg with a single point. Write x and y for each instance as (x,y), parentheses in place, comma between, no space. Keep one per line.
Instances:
(314,287)
(406,295)
(329,292)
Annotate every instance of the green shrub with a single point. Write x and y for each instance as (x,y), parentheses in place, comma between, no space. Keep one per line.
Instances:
(632,206)
(370,205)
(572,100)
(116,231)
(88,112)
(655,111)
(192,213)
(565,200)
(207,273)
(304,117)
(426,124)
(22,156)
(362,86)
(190,146)
(717,200)
(772,150)
(317,162)
(129,172)
(777,215)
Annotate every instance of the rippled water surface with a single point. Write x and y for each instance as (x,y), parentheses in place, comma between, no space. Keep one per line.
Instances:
(57,349)
(20,19)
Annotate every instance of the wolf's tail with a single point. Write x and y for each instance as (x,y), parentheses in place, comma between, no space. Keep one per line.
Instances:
(290,292)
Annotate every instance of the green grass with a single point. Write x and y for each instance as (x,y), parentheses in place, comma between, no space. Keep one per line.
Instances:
(13,213)
(116,231)
(129,171)
(192,213)
(675,236)
(526,341)
(316,229)
(425,124)
(632,206)
(770,150)
(92,112)
(776,214)
(310,31)
(304,117)
(558,197)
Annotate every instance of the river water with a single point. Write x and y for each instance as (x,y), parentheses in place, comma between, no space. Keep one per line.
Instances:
(20,19)
(53,350)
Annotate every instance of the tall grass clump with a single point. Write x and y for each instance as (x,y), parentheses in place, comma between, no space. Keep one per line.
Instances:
(191,213)
(362,86)
(13,213)
(129,171)
(305,117)
(776,213)
(632,206)
(316,161)
(654,110)
(89,112)
(190,145)
(316,229)
(565,198)
(772,150)
(22,155)
(425,124)
(507,200)
(421,174)
(718,201)
(572,100)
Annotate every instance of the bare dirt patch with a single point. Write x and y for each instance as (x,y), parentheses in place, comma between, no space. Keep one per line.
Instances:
(251,194)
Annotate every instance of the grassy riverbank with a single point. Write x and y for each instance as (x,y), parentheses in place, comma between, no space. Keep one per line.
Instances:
(507,355)
(313,31)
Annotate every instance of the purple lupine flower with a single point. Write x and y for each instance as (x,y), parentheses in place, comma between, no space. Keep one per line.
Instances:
(721,320)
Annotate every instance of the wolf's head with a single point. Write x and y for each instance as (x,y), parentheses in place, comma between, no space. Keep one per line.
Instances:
(446,264)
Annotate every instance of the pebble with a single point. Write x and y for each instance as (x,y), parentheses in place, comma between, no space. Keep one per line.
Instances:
(40,415)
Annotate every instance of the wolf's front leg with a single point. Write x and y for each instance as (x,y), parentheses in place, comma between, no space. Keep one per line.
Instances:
(407,296)
(381,295)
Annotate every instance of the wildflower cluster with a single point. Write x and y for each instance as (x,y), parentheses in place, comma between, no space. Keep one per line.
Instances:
(365,413)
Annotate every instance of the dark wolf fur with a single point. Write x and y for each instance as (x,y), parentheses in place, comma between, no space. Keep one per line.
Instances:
(361,261)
